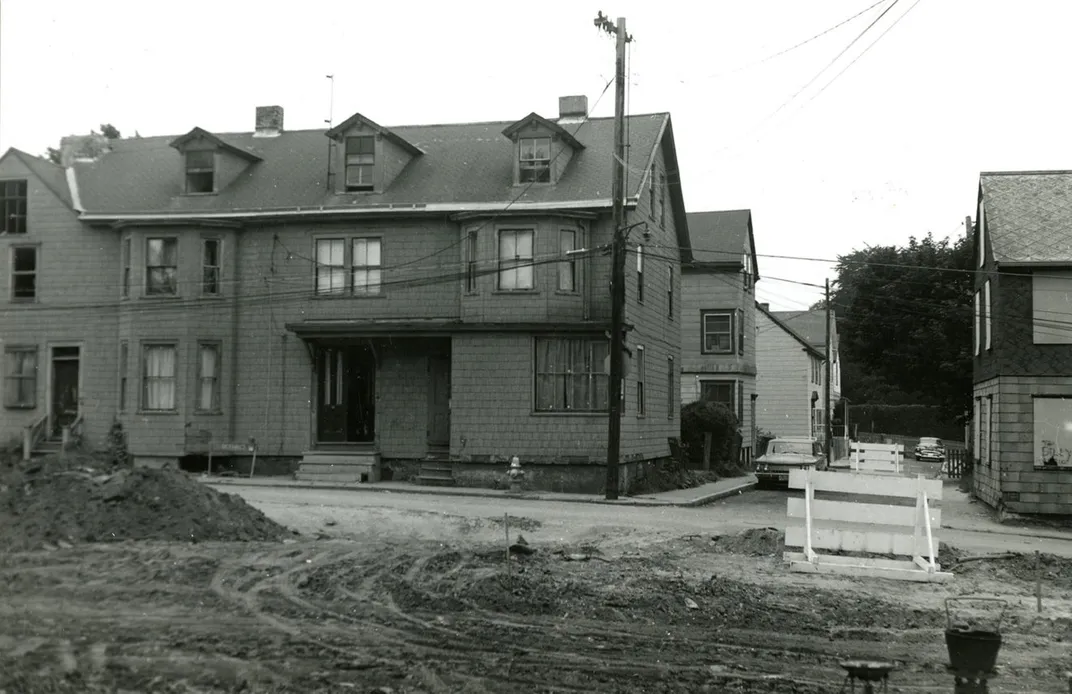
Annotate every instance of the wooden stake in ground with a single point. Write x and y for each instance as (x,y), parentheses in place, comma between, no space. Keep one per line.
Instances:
(506,528)
(1038,580)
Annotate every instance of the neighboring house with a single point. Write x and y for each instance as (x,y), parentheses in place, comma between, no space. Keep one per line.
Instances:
(718,354)
(791,359)
(364,297)
(1022,343)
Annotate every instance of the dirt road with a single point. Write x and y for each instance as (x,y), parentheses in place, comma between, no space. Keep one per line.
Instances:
(404,596)
(434,517)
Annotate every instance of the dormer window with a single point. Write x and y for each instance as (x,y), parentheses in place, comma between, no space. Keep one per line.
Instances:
(200,171)
(360,163)
(535,161)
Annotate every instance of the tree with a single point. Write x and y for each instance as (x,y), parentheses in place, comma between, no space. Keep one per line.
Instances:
(55,155)
(904,323)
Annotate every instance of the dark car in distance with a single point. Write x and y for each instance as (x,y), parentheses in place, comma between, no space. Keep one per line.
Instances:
(929,449)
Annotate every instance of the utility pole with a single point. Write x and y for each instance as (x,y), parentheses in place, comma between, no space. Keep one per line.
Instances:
(617,288)
(826,385)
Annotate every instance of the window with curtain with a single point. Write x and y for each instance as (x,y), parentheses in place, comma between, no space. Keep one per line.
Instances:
(515,259)
(367,268)
(571,375)
(208,379)
(158,377)
(20,377)
(330,266)
(162,267)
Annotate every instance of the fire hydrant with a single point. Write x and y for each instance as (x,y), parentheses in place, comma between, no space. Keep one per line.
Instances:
(516,474)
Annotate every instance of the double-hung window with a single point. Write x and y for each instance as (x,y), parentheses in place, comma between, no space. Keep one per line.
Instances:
(717,332)
(349,266)
(567,267)
(13,199)
(24,262)
(20,377)
(515,259)
(360,163)
(158,377)
(534,162)
(571,375)
(211,261)
(162,267)
(208,377)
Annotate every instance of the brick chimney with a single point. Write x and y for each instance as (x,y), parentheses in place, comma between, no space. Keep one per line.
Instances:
(765,307)
(269,121)
(572,109)
(83,148)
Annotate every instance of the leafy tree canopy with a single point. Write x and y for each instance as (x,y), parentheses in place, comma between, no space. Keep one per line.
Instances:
(904,322)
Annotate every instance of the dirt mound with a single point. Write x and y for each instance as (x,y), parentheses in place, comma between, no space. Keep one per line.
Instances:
(758,542)
(80,498)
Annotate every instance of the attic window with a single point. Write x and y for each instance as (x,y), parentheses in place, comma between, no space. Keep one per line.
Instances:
(360,162)
(13,207)
(535,160)
(201,171)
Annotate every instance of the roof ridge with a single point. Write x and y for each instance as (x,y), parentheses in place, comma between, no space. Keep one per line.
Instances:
(404,125)
(1027,172)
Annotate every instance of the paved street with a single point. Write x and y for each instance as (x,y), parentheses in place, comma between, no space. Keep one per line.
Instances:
(442,517)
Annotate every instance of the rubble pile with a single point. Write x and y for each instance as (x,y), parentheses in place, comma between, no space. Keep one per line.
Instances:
(64,499)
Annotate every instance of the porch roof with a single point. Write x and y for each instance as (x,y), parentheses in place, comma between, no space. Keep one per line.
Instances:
(313,329)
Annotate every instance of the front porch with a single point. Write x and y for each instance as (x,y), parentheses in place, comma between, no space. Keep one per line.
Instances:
(373,398)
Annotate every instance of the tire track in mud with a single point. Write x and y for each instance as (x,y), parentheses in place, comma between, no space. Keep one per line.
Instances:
(342,600)
(423,637)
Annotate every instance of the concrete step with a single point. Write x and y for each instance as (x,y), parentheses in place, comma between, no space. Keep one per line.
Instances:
(341,457)
(435,480)
(446,468)
(350,475)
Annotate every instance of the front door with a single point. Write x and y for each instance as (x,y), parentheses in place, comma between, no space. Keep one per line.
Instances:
(64,387)
(439,402)
(346,381)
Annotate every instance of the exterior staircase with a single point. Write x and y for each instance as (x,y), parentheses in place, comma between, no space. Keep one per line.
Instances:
(47,446)
(340,466)
(436,470)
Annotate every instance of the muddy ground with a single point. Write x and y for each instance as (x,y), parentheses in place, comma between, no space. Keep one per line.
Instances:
(693,614)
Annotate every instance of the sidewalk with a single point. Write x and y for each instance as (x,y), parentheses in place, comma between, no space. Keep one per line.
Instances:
(697,496)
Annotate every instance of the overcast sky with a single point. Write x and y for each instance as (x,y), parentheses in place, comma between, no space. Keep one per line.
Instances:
(889,149)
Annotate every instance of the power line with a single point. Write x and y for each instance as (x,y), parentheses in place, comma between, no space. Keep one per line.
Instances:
(798,45)
(862,53)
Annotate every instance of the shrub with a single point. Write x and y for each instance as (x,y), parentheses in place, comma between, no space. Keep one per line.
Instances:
(117,445)
(701,417)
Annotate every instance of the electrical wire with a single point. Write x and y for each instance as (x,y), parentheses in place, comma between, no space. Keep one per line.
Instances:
(862,53)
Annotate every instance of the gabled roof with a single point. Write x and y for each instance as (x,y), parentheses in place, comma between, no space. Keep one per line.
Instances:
(51,175)
(776,318)
(394,137)
(810,325)
(201,133)
(554,127)
(465,165)
(1028,216)
(720,238)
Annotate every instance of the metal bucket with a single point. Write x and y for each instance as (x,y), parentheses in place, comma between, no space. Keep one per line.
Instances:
(974,650)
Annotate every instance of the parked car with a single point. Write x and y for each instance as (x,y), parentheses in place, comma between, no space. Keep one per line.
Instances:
(931,449)
(786,454)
